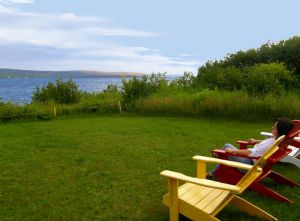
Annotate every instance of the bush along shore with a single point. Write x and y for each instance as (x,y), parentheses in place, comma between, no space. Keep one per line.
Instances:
(257,84)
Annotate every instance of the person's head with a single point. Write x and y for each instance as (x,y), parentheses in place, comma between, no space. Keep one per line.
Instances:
(281,127)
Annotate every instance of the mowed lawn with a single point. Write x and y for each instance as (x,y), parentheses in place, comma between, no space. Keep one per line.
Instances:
(107,168)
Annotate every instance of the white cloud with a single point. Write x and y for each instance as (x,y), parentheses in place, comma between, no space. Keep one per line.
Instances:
(84,41)
(120,32)
(61,31)
(16,1)
(4,9)
(184,55)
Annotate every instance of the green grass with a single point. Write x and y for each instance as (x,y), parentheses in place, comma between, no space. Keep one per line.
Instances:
(107,168)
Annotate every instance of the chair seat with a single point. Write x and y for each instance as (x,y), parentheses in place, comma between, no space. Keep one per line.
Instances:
(204,198)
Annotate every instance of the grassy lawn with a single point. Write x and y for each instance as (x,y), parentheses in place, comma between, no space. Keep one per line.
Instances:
(107,168)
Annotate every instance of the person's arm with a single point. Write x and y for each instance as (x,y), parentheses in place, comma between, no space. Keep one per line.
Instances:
(254,140)
(242,152)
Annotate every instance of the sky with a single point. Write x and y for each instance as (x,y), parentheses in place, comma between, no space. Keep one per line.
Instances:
(154,36)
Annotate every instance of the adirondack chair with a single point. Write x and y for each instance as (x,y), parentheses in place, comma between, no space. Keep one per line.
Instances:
(232,176)
(292,157)
(202,199)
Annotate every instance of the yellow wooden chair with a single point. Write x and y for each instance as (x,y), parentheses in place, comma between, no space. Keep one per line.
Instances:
(202,199)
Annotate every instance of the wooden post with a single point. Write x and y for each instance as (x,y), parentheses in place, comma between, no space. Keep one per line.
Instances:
(54,111)
(173,190)
(201,169)
(120,108)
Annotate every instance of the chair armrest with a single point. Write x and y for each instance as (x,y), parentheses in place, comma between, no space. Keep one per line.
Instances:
(269,135)
(226,154)
(295,142)
(202,182)
(224,162)
(266,134)
(244,144)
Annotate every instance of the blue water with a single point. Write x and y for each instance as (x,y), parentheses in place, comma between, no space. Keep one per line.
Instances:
(19,90)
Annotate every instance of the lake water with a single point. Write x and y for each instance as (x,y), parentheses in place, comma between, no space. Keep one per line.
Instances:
(19,90)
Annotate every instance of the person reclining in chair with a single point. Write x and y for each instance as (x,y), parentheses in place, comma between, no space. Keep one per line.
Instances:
(281,127)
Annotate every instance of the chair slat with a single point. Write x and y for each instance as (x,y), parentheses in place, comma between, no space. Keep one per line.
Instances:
(189,194)
(200,195)
(208,199)
(210,208)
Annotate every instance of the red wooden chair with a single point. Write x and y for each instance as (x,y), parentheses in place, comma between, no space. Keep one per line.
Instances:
(231,175)
(292,158)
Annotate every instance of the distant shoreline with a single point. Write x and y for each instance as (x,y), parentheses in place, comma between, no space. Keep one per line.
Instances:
(17,73)
(64,76)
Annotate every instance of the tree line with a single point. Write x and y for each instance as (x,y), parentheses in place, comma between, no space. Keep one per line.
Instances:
(271,68)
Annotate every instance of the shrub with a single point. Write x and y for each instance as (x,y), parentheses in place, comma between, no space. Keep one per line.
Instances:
(60,92)
(111,89)
(270,78)
(136,88)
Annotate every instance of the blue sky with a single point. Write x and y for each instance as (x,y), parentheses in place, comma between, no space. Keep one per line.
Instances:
(137,36)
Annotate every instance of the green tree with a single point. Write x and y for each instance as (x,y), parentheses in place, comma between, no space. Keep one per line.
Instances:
(214,75)
(241,59)
(185,81)
(270,78)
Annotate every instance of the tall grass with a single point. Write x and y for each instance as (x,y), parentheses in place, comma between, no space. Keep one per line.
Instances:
(9,111)
(237,105)
(90,103)
(222,104)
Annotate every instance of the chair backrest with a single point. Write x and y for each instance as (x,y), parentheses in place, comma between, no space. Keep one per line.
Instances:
(284,149)
(256,170)
(295,131)
(295,144)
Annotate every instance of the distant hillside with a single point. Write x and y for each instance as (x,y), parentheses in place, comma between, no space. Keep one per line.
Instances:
(14,73)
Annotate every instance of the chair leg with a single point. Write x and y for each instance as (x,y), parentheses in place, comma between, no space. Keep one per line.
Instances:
(251,209)
(173,190)
(263,190)
(282,179)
